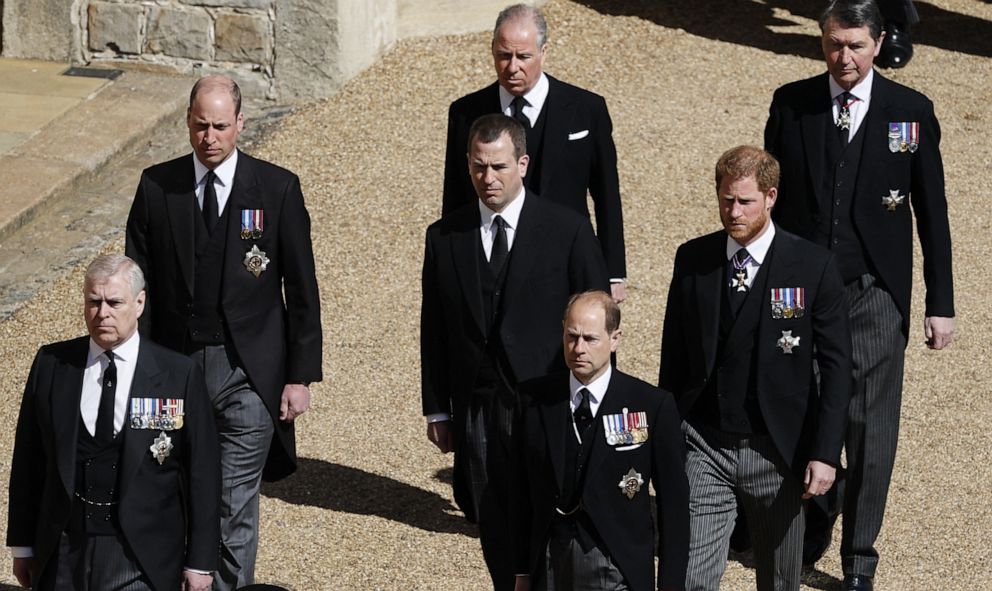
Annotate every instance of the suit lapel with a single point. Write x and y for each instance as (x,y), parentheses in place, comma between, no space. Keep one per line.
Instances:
(612,404)
(709,286)
(557,426)
(466,244)
(147,377)
(65,411)
(813,124)
(559,107)
(875,128)
(244,195)
(180,200)
(782,265)
(526,246)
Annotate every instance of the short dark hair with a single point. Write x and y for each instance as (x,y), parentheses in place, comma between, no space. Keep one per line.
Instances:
(745,161)
(489,128)
(854,13)
(218,81)
(611,310)
(524,11)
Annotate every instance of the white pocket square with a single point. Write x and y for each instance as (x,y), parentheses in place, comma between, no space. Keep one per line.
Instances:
(578,135)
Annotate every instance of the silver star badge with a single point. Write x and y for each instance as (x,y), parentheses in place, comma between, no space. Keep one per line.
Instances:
(893,199)
(740,280)
(256,261)
(844,119)
(631,483)
(161,447)
(787,342)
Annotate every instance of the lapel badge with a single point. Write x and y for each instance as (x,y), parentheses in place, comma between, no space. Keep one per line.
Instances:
(788,302)
(630,483)
(256,261)
(787,342)
(904,136)
(251,223)
(161,447)
(893,199)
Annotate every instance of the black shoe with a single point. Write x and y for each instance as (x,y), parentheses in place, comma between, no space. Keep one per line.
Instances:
(897,47)
(857,583)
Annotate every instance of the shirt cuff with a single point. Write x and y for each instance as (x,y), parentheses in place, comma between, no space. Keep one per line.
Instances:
(618,279)
(197,571)
(21,552)
(438,417)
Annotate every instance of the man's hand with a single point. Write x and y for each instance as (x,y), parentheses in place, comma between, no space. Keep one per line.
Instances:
(939,331)
(22,571)
(618,291)
(818,479)
(196,582)
(522,583)
(441,435)
(295,401)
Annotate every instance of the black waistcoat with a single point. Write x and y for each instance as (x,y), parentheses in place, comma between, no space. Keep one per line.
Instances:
(495,374)
(835,224)
(206,323)
(576,460)
(730,400)
(96,481)
(535,146)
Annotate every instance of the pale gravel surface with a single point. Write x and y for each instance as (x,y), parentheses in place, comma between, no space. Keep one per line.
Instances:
(370,507)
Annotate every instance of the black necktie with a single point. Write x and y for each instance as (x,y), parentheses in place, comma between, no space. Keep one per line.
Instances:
(210,202)
(738,279)
(583,415)
(844,120)
(105,416)
(500,247)
(518,105)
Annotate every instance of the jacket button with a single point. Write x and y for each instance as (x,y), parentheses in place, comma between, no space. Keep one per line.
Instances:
(106,517)
(89,516)
(195,332)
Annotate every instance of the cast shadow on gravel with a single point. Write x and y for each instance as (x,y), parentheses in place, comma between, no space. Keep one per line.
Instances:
(810,577)
(326,485)
(747,23)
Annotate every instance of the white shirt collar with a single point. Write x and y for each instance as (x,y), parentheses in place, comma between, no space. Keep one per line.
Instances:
(510,214)
(535,98)
(861,90)
(757,249)
(597,389)
(224,171)
(126,351)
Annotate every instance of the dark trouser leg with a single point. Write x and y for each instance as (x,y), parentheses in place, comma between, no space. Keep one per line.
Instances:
(873,427)
(98,563)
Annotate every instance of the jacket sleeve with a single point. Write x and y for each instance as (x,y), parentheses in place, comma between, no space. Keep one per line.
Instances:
(136,247)
(203,489)
(304,346)
(29,465)
(672,495)
(435,393)
(587,268)
(674,359)
(604,187)
(455,163)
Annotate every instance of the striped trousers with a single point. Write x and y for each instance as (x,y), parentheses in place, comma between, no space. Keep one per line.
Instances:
(722,468)
(879,347)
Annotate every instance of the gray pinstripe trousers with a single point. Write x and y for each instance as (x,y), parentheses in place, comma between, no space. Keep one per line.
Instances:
(873,420)
(722,468)
(96,563)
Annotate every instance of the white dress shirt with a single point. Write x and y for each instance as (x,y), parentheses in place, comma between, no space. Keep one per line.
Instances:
(224,174)
(535,98)
(859,108)
(125,358)
(757,249)
(597,390)
(511,217)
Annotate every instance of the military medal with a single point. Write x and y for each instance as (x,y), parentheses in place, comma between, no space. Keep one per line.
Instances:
(628,428)
(161,447)
(630,483)
(251,224)
(788,302)
(165,414)
(256,261)
(740,272)
(893,199)
(787,342)
(904,136)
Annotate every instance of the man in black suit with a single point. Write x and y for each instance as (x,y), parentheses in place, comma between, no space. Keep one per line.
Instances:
(569,134)
(588,445)
(749,310)
(857,151)
(224,240)
(497,274)
(115,478)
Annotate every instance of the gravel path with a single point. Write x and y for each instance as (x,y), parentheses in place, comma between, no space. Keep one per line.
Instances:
(371,506)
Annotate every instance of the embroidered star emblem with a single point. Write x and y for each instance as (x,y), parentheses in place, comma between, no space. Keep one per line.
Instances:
(787,342)
(631,483)
(893,199)
(161,447)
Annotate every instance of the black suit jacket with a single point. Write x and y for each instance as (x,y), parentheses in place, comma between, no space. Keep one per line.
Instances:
(277,340)
(804,421)
(794,134)
(624,525)
(168,513)
(569,167)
